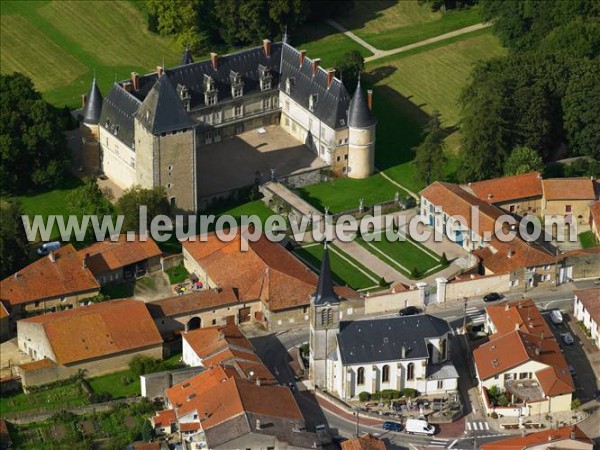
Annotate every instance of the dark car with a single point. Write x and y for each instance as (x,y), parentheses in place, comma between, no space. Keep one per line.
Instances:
(491,297)
(409,311)
(392,426)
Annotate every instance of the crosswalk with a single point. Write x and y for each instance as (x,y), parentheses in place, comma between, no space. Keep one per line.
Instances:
(475,315)
(478,426)
(443,443)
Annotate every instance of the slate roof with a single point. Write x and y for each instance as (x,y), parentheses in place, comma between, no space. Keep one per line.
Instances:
(93,106)
(162,111)
(325,292)
(378,340)
(118,112)
(359,114)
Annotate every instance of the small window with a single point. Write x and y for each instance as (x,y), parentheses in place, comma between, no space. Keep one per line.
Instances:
(410,371)
(238,110)
(440,384)
(214,321)
(568,208)
(238,92)
(338,158)
(360,376)
(385,374)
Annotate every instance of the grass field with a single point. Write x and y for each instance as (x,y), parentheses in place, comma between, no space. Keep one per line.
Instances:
(66,396)
(387,24)
(346,270)
(588,239)
(404,256)
(61,44)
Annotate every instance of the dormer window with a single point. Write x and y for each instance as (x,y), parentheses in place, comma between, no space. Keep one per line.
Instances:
(265,78)
(210,99)
(184,95)
(312,102)
(210,91)
(237,85)
(288,85)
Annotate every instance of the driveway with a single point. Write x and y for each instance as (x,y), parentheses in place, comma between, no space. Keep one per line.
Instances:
(11,356)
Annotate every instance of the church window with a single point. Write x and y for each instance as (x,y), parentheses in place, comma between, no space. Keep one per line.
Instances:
(385,374)
(360,376)
(410,371)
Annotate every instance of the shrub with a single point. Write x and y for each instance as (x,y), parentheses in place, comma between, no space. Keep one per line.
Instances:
(415,273)
(503,400)
(101,397)
(576,403)
(410,392)
(141,365)
(364,396)
(494,415)
(444,260)
(383,282)
(389,394)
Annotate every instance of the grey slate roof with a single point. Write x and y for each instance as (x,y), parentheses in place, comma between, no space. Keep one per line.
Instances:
(359,115)
(93,106)
(325,292)
(332,103)
(379,340)
(162,111)
(118,111)
(441,371)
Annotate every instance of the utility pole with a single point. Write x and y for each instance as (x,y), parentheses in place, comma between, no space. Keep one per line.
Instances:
(357,419)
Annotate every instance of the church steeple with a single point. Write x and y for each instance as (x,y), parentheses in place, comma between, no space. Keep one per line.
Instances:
(325,292)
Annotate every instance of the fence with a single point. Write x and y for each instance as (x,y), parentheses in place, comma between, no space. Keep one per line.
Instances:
(169,262)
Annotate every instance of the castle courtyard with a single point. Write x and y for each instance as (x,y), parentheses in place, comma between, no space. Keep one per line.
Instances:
(235,161)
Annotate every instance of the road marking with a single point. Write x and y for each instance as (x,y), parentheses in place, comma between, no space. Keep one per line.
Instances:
(487,426)
(453,443)
(469,426)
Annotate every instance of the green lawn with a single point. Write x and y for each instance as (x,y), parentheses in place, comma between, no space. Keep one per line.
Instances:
(387,25)
(588,239)
(121,290)
(66,396)
(60,45)
(344,194)
(404,256)
(320,40)
(342,266)
(177,274)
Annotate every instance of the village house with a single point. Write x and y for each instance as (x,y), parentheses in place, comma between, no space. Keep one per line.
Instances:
(365,442)
(98,339)
(265,272)
(595,219)
(121,260)
(569,437)
(586,309)
(523,360)
(569,198)
(52,283)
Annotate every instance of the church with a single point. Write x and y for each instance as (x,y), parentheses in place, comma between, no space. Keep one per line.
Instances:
(371,355)
(153,130)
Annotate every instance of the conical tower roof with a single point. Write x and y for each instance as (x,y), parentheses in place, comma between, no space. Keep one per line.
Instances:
(325,292)
(162,111)
(93,105)
(187,57)
(359,114)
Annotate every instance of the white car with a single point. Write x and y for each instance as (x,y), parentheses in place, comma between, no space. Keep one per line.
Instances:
(567,338)
(556,317)
(418,426)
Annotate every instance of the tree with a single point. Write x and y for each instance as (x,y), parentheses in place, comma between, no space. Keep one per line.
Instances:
(523,160)
(128,205)
(348,67)
(430,158)
(33,150)
(147,431)
(13,241)
(89,200)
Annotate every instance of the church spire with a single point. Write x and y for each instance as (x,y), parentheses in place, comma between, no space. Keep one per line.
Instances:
(325,292)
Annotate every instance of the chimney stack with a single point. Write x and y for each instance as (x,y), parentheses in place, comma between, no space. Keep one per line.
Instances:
(267,47)
(516,326)
(537,351)
(370,99)
(135,80)
(257,381)
(52,256)
(214,59)
(330,75)
(83,100)
(258,424)
(316,63)
(301,55)
(403,352)
(127,86)
(159,71)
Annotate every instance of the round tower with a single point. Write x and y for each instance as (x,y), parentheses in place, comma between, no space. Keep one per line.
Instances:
(361,136)
(90,158)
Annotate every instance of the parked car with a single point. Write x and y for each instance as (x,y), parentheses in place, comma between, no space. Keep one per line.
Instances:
(48,247)
(556,317)
(409,311)
(492,297)
(418,426)
(567,338)
(323,434)
(392,426)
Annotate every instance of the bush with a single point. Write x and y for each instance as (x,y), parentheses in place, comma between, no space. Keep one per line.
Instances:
(410,392)
(503,400)
(389,394)
(444,260)
(383,282)
(101,397)
(576,403)
(364,396)
(415,273)
(141,365)
(494,415)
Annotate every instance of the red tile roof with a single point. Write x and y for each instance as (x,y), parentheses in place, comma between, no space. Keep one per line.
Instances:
(509,256)
(590,298)
(164,418)
(3,311)
(366,442)
(569,189)
(549,438)
(37,365)
(194,301)
(522,335)
(515,187)
(47,279)
(98,330)
(108,255)
(267,271)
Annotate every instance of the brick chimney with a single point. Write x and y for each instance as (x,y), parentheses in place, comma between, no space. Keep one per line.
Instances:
(315,64)
(370,99)
(83,100)
(52,256)
(135,80)
(301,56)
(403,352)
(127,86)
(214,59)
(330,75)
(159,71)
(267,47)
(258,424)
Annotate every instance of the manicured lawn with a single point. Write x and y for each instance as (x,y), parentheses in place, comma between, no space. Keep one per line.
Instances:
(344,194)
(346,270)
(404,256)
(388,25)
(255,207)
(61,44)
(588,239)
(321,40)
(66,396)
(177,274)
(121,290)
(119,384)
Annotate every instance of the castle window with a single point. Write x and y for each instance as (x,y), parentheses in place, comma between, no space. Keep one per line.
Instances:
(265,78)
(210,99)
(237,92)
(338,158)
(266,103)
(385,374)
(312,102)
(440,384)
(237,85)
(238,110)
(410,371)
(217,116)
(169,185)
(360,376)
(346,157)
